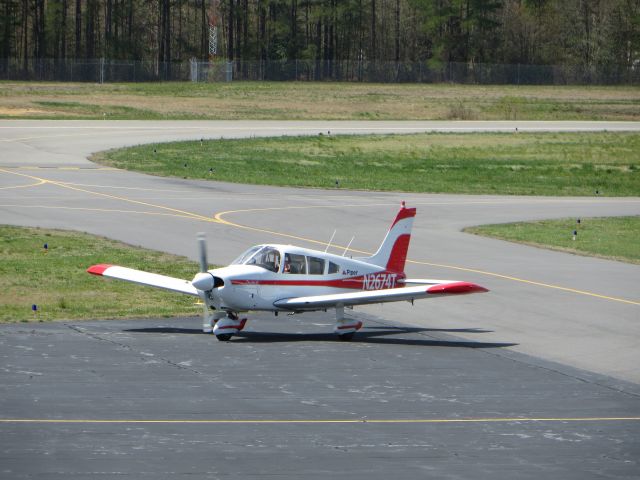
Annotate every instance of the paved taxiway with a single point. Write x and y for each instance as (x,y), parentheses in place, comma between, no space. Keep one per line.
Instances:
(157,399)
(563,310)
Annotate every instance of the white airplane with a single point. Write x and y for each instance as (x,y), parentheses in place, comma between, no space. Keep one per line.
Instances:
(284,278)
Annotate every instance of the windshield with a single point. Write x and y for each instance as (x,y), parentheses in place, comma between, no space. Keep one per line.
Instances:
(265,257)
(246,256)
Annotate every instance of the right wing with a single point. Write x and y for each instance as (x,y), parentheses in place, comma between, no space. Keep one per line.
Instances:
(144,278)
(366,297)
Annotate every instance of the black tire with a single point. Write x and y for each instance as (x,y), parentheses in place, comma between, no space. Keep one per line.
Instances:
(224,337)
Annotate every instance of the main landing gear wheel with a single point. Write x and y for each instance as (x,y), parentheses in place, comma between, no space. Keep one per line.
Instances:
(224,337)
(346,329)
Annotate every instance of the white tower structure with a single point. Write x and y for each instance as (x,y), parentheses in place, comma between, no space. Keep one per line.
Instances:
(213,30)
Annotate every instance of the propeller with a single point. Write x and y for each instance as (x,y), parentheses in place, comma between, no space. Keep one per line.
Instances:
(202,247)
(204,280)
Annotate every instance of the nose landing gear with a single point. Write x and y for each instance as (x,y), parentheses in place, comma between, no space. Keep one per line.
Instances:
(225,328)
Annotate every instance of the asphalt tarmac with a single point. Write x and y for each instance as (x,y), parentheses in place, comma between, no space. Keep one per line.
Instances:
(537,378)
(284,399)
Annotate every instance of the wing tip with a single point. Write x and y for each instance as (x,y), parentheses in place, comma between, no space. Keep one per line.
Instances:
(457,288)
(98,269)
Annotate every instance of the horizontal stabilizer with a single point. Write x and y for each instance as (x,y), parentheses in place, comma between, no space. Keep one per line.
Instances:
(144,278)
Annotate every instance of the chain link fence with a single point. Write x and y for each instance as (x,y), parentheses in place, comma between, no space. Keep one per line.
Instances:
(105,70)
(94,70)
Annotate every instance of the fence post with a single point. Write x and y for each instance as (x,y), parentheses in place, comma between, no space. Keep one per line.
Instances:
(193,70)
(229,73)
(101,70)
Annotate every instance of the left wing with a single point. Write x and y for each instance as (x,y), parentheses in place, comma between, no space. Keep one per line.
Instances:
(144,278)
(316,302)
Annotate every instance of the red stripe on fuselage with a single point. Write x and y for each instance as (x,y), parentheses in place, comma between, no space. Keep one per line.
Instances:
(355,283)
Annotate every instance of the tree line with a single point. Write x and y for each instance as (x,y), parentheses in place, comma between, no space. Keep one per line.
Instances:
(529,32)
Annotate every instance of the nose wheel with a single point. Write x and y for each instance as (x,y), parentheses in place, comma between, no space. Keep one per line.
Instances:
(225,328)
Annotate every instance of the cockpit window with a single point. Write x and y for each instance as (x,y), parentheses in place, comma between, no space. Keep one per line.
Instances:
(246,255)
(333,268)
(260,256)
(268,258)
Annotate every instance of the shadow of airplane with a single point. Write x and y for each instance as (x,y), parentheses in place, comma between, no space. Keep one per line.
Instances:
(384,335)
(426,329)
(186,331)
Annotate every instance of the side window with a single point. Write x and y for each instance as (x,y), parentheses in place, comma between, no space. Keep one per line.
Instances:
(316,266)
(333,268)
(294,264)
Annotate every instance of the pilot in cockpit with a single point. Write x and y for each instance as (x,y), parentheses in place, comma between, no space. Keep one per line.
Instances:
(287,264)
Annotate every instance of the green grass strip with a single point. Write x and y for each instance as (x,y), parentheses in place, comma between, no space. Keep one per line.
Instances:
(57,282)
(615,238)
(316,101)
(559,164)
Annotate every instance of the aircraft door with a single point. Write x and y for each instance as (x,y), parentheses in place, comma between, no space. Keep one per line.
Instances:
(247,295)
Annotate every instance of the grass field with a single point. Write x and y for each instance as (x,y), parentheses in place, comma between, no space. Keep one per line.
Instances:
(58,284)
(321,101)
(614,238)
(520,164)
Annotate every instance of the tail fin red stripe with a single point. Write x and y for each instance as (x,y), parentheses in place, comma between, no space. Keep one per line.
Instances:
(404,213)
(398,255)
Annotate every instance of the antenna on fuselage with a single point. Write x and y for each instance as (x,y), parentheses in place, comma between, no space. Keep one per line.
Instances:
(345,250)
(330,240)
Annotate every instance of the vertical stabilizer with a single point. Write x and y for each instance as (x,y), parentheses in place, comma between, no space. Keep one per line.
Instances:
(392,254)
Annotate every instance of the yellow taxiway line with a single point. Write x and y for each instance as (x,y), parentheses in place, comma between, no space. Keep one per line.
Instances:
(40,182)
(318,421)
(101,210)
(114,197)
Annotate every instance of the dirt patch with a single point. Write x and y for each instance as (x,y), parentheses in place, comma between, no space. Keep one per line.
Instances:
(20,111)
